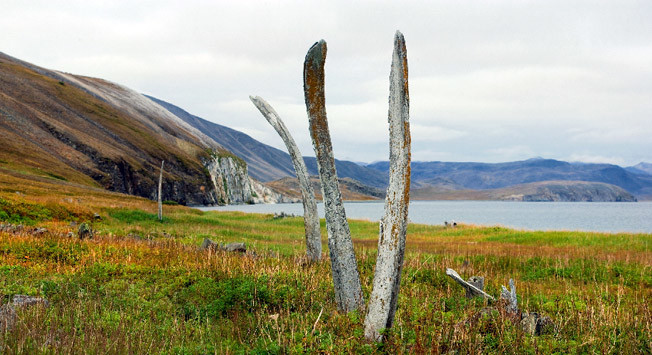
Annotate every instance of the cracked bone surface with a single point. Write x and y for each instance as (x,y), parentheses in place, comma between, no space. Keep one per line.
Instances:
(310,215)
(344,267)
(393,225)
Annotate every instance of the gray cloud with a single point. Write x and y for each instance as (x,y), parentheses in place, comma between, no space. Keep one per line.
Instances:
(490,81)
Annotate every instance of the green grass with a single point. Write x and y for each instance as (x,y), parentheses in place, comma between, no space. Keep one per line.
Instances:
(28,213)
(156,292)
(640,242)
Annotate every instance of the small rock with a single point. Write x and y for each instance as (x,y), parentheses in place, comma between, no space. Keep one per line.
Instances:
(39,231)
(7,317)
(209,244)
(8,311)
(529,322)
(235,247)
(230,247)
(25,301)
(85,231)
(282,215)
(70,234)
(97,217)
(545,325)
(73,224)
(535,324)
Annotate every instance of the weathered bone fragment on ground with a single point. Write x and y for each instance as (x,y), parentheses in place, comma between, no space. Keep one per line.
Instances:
(510,297)
(469,287)
(393,226)
(310,215)
(477,281)
(346,279)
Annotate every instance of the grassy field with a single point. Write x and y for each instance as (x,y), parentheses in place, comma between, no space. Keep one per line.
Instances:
(144,286)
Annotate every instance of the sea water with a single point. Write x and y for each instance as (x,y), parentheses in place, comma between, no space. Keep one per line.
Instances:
(635,217)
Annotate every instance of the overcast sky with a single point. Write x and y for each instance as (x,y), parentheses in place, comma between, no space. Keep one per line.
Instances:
(490,81)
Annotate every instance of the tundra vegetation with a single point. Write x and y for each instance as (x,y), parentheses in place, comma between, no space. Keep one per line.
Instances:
(142,286)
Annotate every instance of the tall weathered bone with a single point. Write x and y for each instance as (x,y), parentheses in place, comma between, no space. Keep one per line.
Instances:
(393,226)
(346,279)
(310,215)
(160,188)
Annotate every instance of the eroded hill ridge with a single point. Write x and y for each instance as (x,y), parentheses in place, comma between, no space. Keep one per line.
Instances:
(93,132)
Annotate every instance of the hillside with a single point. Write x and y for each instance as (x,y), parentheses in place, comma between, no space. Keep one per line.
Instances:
(482,176)
(350,189)
(558,191)
(96,133)
(267,163)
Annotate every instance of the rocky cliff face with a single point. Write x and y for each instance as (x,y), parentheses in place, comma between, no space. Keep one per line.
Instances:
(233,185)
(230,179)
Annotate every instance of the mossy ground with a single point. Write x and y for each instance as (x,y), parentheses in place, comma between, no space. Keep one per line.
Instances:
(144,286)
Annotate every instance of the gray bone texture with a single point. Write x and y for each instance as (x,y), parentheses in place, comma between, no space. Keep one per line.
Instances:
(344,267)
(469,287)
(310,215)
(477,281)
(510,297)
(393,226)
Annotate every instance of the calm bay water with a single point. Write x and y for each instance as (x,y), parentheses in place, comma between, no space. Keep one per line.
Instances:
(584,216)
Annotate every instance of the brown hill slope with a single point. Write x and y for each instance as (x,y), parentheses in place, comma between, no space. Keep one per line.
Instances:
(351,189)
(571,191)
(100,134)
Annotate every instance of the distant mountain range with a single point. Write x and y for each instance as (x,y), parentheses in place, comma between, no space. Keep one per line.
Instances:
(483,176)
(557,191)
(267,164)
